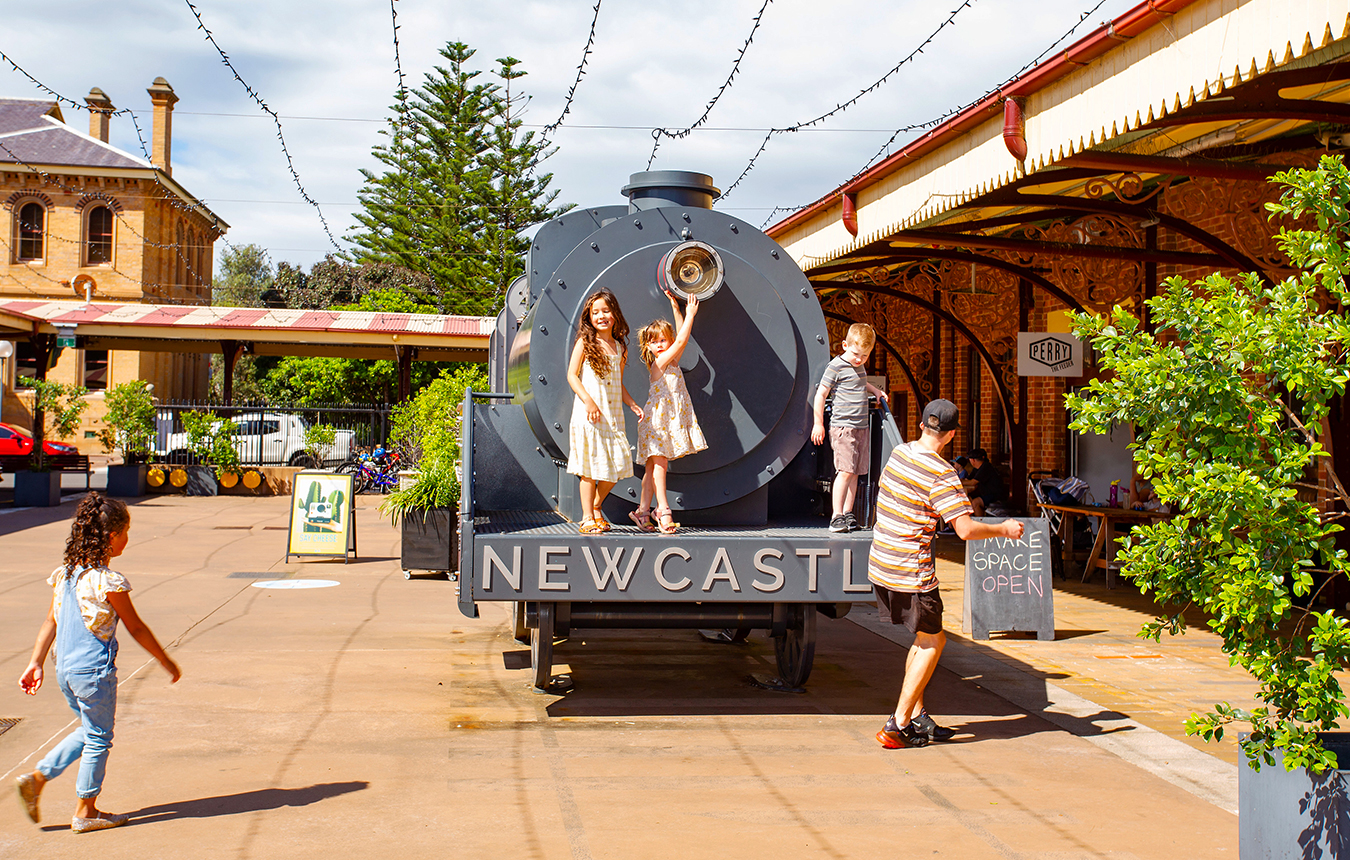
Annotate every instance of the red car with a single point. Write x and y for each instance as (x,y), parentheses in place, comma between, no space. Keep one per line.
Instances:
(16,440)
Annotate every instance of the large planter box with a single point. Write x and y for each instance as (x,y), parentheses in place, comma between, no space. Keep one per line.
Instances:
(201,481)
(431,540)
(1295,814)
(37,489)
(127,481)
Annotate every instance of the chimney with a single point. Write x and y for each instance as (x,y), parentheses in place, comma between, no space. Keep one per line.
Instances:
(100,110)
(162,97)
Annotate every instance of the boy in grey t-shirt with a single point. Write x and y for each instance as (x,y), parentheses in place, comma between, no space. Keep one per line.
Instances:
(845,377)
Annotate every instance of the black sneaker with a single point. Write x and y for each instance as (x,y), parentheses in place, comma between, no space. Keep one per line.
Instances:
(852,522)
(932,730)
(839,523)
(893,738)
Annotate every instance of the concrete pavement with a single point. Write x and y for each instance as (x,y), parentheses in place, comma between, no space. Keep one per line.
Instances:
(371,719)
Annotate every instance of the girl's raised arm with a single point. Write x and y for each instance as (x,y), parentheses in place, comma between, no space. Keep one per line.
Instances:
(673,352)
(574,380)
(675,309)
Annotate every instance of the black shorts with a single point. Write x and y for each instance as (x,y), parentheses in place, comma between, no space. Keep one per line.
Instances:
(920,611)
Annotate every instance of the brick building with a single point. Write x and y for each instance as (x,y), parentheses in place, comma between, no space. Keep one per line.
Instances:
(1141,152)
(80,218)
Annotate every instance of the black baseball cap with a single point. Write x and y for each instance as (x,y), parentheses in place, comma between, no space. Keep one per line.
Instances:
(940,416)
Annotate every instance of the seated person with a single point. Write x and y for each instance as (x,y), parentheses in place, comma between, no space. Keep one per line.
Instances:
(1143,497)
(983,483)
(962,465)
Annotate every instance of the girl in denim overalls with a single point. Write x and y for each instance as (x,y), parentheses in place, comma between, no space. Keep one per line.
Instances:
(88,599)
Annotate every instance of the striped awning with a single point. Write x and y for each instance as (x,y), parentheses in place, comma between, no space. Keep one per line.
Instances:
(185,328)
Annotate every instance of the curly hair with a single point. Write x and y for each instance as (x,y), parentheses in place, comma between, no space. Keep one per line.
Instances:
(648,334)
(596,356)
(97,519)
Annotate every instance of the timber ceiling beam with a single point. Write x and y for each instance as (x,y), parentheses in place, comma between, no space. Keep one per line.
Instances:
(1058,249)
(898,256)
(1127,163)
(1234,258)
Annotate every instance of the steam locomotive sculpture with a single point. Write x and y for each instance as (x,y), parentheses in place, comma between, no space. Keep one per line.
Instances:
(754,551)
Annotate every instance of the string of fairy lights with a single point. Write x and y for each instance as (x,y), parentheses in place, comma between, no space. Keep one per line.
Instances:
(676,134)
(572,90)
(884,151)
(281,135)
(658,134)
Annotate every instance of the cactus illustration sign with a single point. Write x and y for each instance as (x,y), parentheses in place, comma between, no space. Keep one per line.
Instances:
(322,518)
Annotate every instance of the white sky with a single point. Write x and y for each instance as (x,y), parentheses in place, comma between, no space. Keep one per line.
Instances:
(653,64)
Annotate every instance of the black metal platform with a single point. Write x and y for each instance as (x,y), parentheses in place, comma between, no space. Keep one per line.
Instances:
(550,523)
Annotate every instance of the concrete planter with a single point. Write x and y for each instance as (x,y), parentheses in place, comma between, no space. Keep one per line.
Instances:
(431,540)
(1298,814)
(127,481)
(37,489)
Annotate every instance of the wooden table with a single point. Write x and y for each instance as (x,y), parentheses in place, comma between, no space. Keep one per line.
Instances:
(1104,547)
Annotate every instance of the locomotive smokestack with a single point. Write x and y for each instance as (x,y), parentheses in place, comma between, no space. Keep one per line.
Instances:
(653,189)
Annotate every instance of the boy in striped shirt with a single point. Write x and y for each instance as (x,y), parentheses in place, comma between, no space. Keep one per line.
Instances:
(917,488)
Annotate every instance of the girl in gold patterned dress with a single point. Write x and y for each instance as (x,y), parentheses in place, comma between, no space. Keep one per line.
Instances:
(669,428)
(599,453)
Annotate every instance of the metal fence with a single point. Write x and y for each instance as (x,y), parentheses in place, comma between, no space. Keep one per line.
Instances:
(268,434)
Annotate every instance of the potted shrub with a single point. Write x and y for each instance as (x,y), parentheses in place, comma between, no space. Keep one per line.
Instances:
(129,428)
(425,432)
(39,485)
(208,443)
(318,446)
(1229,394)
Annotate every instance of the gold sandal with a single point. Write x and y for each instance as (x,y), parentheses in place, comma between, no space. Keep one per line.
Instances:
(591,527)
(642,518)
(668,526)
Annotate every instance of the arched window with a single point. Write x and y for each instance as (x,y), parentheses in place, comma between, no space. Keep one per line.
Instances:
(29,232)
(98,236)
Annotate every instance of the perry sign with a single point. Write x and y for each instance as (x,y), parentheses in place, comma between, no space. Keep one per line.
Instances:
(714,568)
(1041,353)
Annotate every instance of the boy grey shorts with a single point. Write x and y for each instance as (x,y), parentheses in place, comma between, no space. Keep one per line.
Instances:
(852,451)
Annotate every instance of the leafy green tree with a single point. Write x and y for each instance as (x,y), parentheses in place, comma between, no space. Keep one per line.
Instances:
(129,423)
(297,379)
(245,273)
(459,181)
(518,194)
(425,431)
(1228,397)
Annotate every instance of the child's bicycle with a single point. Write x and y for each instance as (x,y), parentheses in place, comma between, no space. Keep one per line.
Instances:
(372,471)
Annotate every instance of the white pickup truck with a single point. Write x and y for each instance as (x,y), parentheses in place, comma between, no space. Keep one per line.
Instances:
(263,438)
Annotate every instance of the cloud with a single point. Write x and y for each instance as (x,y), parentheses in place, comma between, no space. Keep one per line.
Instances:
(652,65)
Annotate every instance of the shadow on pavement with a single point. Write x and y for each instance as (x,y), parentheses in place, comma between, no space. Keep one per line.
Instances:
(247,801)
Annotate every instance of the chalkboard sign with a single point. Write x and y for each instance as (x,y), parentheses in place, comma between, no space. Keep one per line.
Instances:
(1009,583)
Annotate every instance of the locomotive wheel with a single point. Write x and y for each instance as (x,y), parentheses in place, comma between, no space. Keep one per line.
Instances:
(795,650)
(541,646)
(519,631)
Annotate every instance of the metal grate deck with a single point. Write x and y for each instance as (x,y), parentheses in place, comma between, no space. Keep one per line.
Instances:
(546,523)
(7,723)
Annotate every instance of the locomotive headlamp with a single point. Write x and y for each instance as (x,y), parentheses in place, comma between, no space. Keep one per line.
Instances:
(691,269)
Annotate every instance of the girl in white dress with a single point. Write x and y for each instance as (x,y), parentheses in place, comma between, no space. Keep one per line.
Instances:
(599,453)
(669,429)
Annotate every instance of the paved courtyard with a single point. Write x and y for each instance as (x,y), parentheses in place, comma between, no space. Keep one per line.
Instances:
(371,719)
